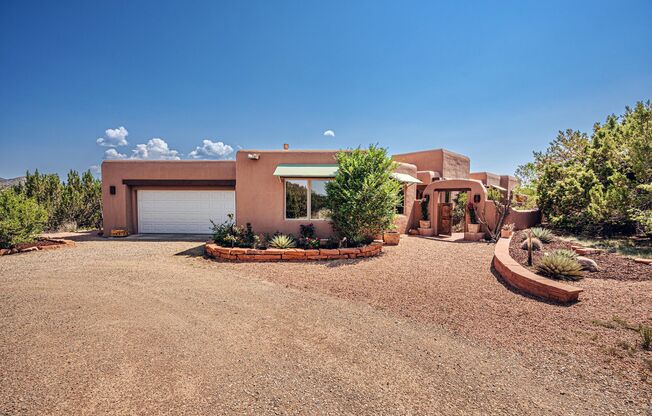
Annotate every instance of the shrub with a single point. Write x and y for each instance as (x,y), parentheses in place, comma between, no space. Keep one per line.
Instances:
(221,231)
(362,198)
(282,241)
(646,336)
(559,267)
(494,194)
(425,215)
(542,234)
(21,219)
(307,231)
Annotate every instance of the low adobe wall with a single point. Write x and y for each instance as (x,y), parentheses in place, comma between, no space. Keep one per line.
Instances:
(521,278)
(290,254)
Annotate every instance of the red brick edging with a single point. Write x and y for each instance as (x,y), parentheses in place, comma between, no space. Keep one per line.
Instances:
(290,254)
(62,243)
(521,278)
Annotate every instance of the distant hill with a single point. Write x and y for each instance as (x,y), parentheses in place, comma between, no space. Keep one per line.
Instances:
(5,183)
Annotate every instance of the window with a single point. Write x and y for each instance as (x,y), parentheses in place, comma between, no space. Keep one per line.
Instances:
(305,196)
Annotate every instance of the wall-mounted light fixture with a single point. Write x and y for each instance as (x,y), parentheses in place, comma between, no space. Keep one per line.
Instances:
(253,156)
(476,199)
(112,190)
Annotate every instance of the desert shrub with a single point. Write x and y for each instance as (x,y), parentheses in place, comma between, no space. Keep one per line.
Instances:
(646,336)
(537,245)
(362,198)
(543,234)
(307,231)
(559,267)
(598,183)
(494,194)
(221,231)
(282,241)
(425,215)
(75,203)
(21,219)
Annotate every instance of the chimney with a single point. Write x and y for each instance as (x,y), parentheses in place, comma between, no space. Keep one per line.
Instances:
(286,146)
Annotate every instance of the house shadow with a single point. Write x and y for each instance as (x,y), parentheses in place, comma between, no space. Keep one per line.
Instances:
(197,251)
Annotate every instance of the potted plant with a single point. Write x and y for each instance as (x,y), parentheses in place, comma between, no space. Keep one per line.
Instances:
(425,215)
(507,230)
(474,226)
(391,237)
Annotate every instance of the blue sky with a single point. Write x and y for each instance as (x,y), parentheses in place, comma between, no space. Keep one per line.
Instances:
(491,80)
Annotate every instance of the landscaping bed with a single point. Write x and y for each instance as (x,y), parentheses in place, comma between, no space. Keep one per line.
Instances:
(290,254)
(611,266)
(41,244)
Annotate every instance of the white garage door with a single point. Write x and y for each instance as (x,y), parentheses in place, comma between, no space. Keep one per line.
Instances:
(183,211)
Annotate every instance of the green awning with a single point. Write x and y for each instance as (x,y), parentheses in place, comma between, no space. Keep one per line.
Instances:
(305,171)
(405,178)
(325,171)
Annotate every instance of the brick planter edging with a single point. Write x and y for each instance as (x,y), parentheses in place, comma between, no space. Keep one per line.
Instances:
(62,243)
(290,254)
(521,278)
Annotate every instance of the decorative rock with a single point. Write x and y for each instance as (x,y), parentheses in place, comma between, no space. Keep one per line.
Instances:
(412,231)
(536,244)
(588,264)
(4,251)
(28,249)
(291,254)
(585,251)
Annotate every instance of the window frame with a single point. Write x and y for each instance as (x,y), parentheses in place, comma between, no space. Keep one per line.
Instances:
(308,216)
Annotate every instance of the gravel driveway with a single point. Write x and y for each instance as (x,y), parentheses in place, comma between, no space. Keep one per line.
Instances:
(141,327)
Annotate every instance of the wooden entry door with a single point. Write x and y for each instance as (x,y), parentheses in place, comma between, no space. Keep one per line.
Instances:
(445,221)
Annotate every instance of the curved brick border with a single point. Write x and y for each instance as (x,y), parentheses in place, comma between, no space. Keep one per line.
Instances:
(62,243)
(290,254)
(523,279)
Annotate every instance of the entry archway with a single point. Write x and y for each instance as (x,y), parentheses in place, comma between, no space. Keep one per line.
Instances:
(476,191)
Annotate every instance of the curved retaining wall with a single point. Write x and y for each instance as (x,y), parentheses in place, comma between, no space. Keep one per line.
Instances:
(523,279)
(290,254)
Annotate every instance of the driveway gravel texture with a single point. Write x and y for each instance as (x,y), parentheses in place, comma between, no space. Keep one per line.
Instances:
(147,327)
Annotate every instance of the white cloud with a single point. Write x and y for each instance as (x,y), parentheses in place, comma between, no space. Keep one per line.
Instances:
(95,170)
(114,137)
(329,133)
(155,149)
(112,154)
(211,150)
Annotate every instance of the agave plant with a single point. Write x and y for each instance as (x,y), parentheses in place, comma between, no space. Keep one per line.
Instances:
(543,234)
(564,253)
(559,266)
(282,241)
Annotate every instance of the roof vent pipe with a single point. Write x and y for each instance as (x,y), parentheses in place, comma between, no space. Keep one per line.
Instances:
(286,146)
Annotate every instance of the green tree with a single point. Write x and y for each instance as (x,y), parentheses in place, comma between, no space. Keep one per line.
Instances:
(362,198)
(21,219)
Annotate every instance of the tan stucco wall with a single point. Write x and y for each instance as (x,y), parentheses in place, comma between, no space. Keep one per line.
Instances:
(259,196)
(448,164)
(487,178)
(119,210)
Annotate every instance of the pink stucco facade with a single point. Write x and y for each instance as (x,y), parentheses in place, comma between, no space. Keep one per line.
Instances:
(259,194)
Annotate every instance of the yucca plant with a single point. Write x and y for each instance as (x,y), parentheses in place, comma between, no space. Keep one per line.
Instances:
(559,266)
(282,241)
(543,234)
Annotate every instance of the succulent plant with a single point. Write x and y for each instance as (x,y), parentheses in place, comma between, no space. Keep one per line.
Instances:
(542,234)
(564,253)
(559,266)
(282,241)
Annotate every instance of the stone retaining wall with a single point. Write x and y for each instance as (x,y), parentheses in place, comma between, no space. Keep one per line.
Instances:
(290,254)
(521,278)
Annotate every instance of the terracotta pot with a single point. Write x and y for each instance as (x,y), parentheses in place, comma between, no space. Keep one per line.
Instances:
(505,233)
(474,228)
(425,231)
(424,224)
(391,238)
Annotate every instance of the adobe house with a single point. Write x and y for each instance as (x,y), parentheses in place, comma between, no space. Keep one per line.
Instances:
(274,190)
